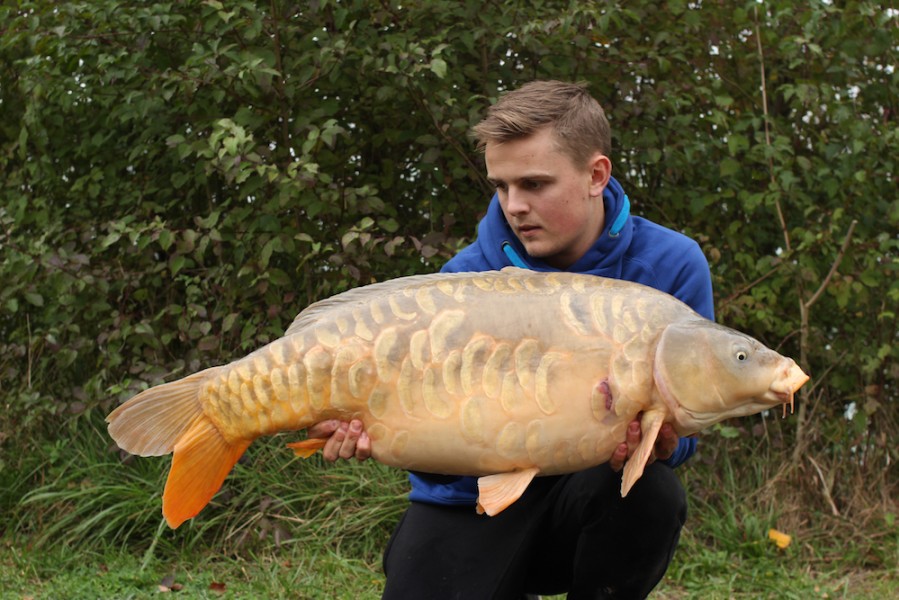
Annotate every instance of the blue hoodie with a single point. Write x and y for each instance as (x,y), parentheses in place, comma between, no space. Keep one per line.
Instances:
(630,248)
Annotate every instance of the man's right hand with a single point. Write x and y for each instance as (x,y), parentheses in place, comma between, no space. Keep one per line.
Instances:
(345,439)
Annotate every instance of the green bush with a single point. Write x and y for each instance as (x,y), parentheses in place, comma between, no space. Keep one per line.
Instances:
(179,179)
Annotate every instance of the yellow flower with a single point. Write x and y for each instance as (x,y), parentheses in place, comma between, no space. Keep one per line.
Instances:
(780,538)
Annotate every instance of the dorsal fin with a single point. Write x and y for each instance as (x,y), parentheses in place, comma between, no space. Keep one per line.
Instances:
(363,295)
(516,271)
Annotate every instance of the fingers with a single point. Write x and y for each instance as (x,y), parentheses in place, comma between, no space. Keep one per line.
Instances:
(626,448)
(667,442)
(345,440)
(633,437)
(619,457)
(323,430)
(363,447)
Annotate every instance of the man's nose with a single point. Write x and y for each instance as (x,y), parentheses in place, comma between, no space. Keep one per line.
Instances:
(516,202)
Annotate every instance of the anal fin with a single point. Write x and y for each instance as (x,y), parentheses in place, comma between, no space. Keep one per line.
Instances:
(497,492)
(308,447)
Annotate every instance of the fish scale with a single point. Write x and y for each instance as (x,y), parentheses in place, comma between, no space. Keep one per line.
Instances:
(501,375)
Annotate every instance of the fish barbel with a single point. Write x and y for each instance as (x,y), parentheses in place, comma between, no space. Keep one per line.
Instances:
(504,375)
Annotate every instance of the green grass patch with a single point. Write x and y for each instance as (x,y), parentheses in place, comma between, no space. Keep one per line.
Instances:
(761,570)
(97,498)
(310,572)
(88,524)
(290,573)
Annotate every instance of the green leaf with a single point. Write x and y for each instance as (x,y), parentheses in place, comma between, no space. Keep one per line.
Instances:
(177,263)
(266,254)
(165,239)
(727,432)
(389,225)
(438,67)
(729,167)
(228,322)
(110,239)
(34,299)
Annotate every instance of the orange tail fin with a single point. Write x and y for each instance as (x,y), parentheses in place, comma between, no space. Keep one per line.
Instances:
(169,418)
(201,462)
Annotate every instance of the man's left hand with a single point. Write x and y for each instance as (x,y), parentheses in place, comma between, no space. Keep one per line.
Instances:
(665,445)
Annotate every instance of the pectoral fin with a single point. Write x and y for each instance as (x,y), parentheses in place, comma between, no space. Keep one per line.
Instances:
(498,492)
(308,447)
(650,425)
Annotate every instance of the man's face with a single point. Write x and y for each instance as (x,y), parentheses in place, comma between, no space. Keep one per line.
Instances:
(554,206)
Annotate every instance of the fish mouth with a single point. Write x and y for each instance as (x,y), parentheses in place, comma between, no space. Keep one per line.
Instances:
(787,384)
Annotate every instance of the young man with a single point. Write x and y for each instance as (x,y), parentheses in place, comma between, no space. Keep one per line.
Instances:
(556,207)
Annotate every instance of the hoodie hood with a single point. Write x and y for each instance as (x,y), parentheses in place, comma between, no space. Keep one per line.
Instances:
(501,248)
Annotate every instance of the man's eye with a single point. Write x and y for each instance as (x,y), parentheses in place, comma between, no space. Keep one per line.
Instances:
(533,185)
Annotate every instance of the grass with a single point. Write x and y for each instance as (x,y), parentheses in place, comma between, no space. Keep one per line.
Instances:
(764,571)
(293,573)
(298,571)
(87,525)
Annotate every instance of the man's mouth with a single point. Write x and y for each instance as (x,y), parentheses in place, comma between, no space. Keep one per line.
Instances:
(528,230)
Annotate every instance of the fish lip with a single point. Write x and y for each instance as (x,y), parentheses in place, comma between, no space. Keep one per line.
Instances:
(784,397)
(793,378)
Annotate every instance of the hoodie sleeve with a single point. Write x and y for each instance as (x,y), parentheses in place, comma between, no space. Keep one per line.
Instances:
(693,284)
(686,447)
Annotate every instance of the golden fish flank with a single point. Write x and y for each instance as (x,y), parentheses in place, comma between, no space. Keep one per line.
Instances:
(363,327)
(445,332)
(474,355)
(575,314)
(502,375)
(494,369)
(452,372)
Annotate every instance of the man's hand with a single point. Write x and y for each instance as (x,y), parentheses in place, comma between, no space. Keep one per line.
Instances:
(665,445)
(345,440)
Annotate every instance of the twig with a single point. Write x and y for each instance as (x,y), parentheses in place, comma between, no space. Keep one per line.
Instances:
(279,80)
(780,214)
(825,487)
(749,286)
(30,355)
(813,387)
(833,267)
(804,329)
(447,138)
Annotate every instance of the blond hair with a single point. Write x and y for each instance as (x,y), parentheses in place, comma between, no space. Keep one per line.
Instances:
(578,121)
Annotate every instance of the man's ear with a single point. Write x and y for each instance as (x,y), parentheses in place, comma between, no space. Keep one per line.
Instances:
(600,170)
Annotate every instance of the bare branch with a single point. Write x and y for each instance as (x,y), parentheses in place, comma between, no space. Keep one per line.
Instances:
(749,286)
(825,487)
(780,214)
(834,266)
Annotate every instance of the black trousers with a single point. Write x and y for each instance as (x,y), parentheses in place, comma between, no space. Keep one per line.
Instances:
(572,533)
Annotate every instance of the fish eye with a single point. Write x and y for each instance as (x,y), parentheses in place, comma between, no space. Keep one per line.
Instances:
(742,355)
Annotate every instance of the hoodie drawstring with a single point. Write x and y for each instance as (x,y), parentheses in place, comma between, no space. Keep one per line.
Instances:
(621,219)
(513,256)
